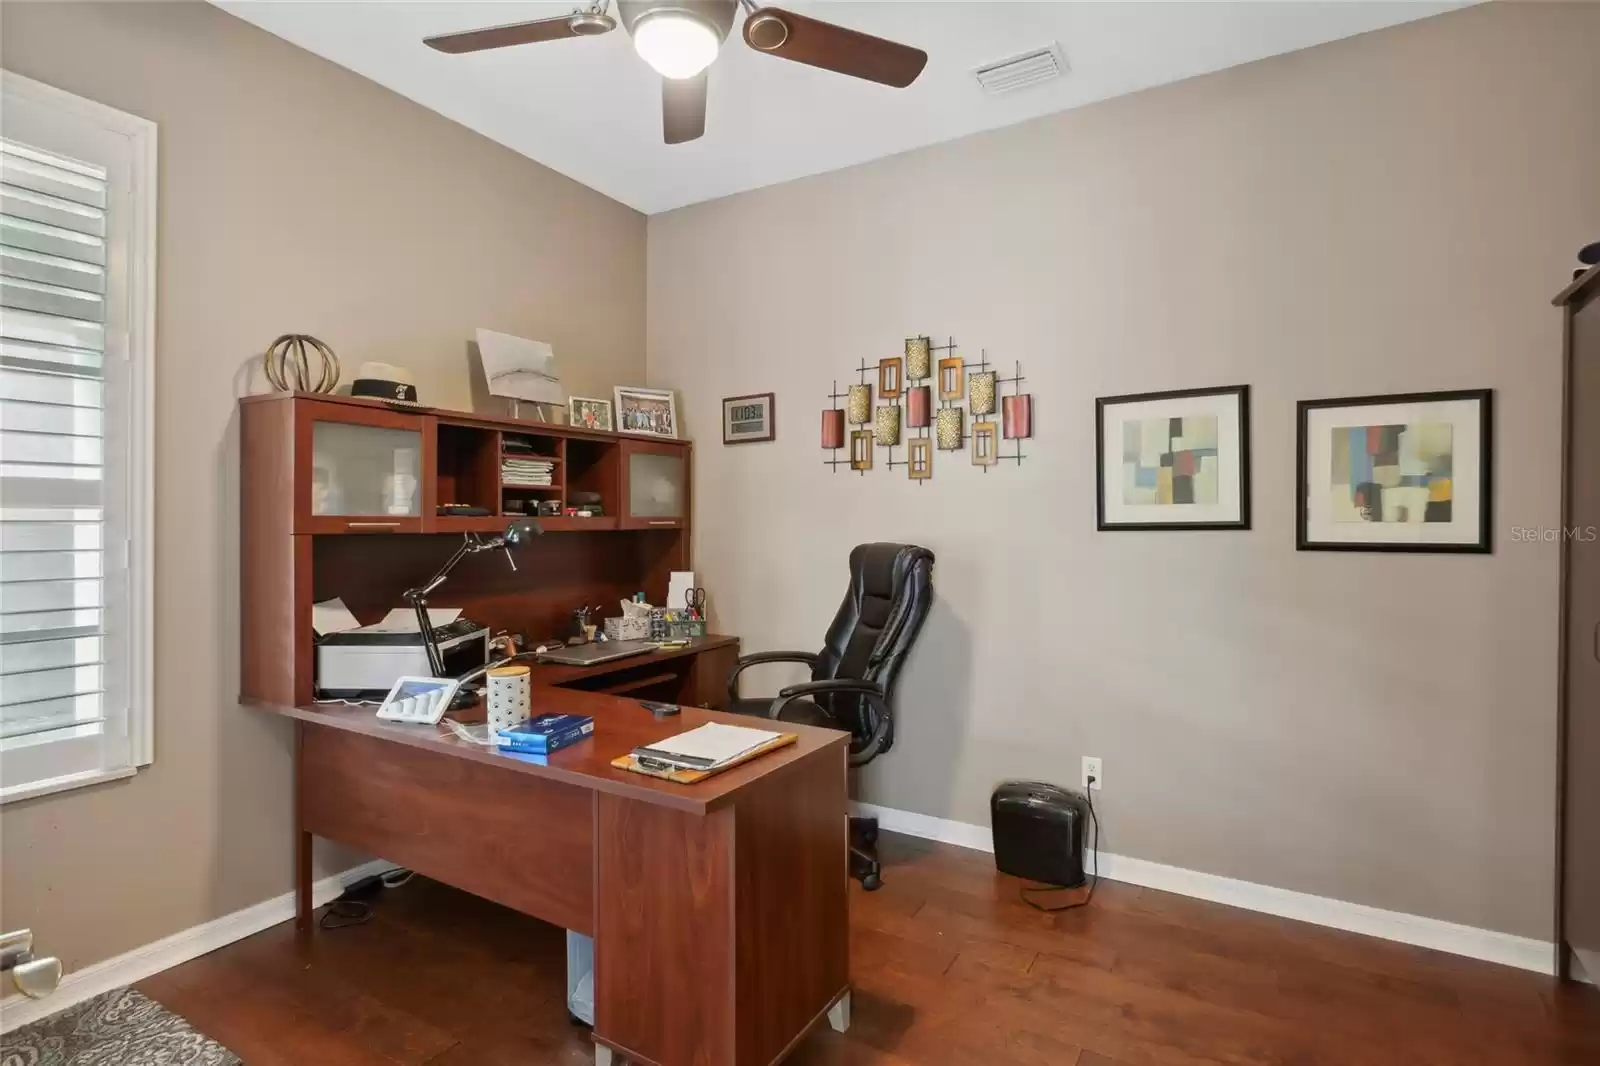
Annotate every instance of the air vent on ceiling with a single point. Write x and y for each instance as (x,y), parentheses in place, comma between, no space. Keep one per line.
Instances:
(1019,72)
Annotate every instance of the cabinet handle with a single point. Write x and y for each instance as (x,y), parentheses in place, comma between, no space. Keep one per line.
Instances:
(663,521)
(372,525)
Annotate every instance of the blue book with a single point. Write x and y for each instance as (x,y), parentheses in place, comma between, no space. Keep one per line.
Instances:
(547,733)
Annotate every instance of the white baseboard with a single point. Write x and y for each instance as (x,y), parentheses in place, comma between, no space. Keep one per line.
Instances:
(126,969)
(1486,944)
(1586,966)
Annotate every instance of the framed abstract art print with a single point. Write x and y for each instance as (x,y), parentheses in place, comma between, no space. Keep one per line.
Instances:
(1174,460)
(1409,472)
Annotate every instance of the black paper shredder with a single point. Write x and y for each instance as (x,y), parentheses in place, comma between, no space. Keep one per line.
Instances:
(1038,832)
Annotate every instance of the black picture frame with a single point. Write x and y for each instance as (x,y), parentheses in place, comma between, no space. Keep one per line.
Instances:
(1240,392)
(1485,400)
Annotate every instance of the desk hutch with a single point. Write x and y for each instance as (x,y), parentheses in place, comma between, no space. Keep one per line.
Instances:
(318,520)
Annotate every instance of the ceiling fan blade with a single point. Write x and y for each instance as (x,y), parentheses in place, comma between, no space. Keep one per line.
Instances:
(683,108)
(503,36)
(822,44)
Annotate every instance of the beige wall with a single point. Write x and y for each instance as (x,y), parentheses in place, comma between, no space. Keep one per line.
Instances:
(1388,213)
(295,195)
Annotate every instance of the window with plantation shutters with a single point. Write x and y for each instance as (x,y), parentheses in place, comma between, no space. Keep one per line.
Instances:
(77,215)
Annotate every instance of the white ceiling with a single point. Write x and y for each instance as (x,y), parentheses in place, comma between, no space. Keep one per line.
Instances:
(590,108)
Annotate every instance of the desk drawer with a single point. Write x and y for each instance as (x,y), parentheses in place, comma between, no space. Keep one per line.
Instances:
(498,833)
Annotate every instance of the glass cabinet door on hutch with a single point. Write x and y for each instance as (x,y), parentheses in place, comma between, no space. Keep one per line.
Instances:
(362,470)
(655,485)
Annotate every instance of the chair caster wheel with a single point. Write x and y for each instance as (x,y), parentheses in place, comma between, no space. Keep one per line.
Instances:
(871,883)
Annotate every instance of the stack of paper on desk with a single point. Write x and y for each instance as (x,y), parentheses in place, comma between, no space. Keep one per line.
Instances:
(709,747)
(332,616)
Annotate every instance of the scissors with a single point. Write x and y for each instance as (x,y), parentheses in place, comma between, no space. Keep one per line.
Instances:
(696,599)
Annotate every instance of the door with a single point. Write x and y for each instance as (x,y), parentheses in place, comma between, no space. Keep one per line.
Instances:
(1582,807)
(655,485)
(362,469)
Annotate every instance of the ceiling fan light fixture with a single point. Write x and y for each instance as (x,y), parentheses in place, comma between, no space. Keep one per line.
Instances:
(677,43)
(591,23)
(766,31)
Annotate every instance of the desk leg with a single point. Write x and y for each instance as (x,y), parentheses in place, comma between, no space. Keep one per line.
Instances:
(721,939)
(302,882)
(302,839)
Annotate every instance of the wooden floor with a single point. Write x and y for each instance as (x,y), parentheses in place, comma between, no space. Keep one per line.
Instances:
(949,969)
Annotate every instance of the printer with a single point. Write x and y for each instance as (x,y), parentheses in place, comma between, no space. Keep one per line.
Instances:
(366,661)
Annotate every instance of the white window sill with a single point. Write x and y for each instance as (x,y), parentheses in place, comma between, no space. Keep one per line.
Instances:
(62,784)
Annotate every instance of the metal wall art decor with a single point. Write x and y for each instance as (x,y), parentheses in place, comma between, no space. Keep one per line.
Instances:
(860,405)
(833,428)
(1017,417)
(980,392)
(919,401)
(888,425)
(861,450)
(950,429)
(985,444)
(918,358)
(921,462)
(908,414)
(889,378)
(951,380)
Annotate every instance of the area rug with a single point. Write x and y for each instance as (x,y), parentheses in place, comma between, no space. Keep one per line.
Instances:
(120,1028)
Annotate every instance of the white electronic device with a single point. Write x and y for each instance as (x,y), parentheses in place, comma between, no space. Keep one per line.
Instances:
(362,662)
(419,699)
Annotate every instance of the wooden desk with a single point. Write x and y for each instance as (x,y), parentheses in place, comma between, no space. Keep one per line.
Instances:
(719,910)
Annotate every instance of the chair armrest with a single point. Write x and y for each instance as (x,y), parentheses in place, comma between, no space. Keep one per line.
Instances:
(837,684)
(862,749)
(744,661)
(807,657)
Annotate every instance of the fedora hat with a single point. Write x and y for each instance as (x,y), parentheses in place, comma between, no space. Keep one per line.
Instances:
(382,381)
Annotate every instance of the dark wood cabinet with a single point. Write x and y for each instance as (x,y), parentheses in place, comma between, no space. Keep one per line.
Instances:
(361,470)
(1578,869)
(655,485)
(340,498)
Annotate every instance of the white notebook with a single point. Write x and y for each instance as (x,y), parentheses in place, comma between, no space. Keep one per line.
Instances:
(709,746)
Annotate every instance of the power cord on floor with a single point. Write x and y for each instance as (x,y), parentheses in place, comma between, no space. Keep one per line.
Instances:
(352,906)
(1094,879)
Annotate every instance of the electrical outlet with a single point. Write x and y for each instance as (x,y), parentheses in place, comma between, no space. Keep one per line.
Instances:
(1091,768)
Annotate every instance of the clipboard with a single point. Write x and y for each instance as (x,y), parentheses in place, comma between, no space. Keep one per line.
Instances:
(689,777)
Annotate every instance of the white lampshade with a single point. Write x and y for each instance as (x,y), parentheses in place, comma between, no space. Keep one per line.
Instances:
(677,44)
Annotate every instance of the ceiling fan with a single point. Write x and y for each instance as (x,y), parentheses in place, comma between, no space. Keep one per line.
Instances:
(681,38)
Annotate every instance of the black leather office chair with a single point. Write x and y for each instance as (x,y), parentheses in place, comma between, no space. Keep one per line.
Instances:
(852,678)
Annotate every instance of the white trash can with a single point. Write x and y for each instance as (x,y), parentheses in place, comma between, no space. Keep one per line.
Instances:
(580,977)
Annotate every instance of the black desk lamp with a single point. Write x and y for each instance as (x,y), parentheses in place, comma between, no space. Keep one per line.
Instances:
(517,534)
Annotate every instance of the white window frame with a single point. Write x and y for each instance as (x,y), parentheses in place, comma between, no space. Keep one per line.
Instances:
(125,743)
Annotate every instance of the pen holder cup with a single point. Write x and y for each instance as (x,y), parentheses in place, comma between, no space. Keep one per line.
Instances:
(510,697)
